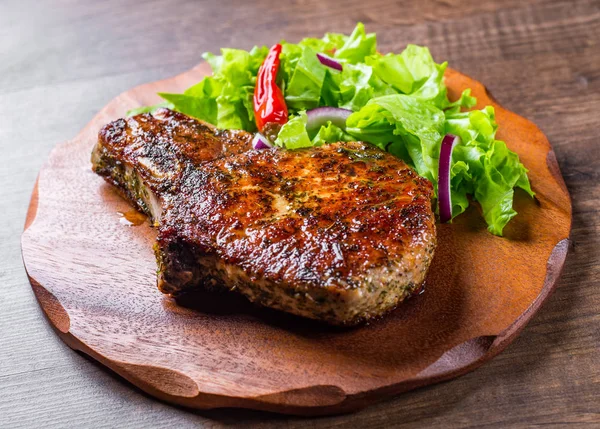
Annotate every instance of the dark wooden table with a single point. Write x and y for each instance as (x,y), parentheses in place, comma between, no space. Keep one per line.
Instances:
(61,61)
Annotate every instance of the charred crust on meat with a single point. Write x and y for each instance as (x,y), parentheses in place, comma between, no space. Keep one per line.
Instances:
(340,233)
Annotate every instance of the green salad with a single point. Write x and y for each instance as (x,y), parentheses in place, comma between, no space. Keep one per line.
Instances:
(397,102)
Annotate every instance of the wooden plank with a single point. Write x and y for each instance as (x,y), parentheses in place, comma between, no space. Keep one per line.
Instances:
(540,59)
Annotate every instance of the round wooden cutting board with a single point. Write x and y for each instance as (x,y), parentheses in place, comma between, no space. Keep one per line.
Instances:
(93,273)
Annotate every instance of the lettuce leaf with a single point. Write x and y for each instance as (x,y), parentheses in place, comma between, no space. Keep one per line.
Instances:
(202,108)
(405,126)
(303,91)
(148,109)
(225,98)
(330,43)
(484,168)
(330,133)
(408,71)
(494,188)
(358,46)
(358,84)
(293,134)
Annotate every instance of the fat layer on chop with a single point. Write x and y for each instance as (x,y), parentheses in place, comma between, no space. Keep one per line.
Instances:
(340,233)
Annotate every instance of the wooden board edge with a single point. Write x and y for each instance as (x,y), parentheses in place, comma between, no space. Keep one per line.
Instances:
(33,206)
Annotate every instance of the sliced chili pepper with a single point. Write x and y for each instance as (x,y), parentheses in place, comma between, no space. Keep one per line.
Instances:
(269,104)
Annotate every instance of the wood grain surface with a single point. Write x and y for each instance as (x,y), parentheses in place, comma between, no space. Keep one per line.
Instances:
(62,61)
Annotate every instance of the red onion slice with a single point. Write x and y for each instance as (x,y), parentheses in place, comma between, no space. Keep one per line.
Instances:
(444,196)
(260,142)
(329,62)
(321,115)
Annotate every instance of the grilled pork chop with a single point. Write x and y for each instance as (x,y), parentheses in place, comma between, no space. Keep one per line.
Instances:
(340,233)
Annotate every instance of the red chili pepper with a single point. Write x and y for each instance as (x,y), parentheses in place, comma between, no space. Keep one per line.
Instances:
(269,104)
